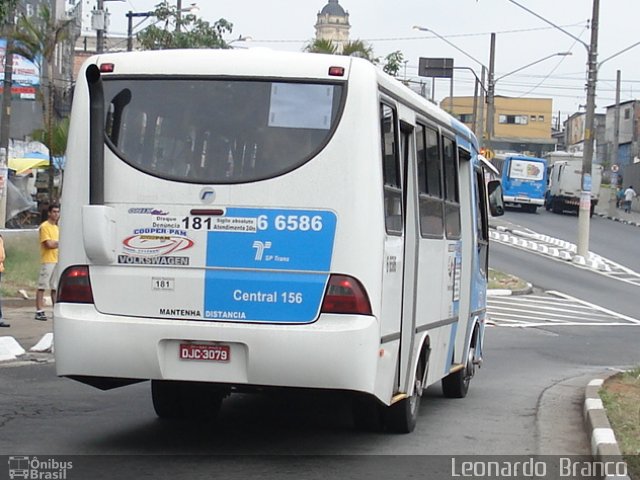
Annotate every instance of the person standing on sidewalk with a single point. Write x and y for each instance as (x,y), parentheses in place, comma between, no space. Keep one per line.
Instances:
(2,256)
(629,194)
(49,236)
(619,197)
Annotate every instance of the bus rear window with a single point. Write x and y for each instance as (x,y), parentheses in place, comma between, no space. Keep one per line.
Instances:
(218,131)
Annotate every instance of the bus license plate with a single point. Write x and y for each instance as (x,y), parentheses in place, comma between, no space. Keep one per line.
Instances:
(213,353)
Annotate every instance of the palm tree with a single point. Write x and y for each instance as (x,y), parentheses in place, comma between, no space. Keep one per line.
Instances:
(36,40)
(321,46)
(360,49)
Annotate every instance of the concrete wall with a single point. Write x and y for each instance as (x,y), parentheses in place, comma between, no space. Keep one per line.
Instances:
(14,237)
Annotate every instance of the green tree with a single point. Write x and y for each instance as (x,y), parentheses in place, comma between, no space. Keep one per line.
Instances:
(6,9)
(57,143)
(36,39)
(393,63)
(193,32)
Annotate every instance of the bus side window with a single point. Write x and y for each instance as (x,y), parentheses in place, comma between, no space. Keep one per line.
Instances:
(451,192)
(429,182)
(391,171)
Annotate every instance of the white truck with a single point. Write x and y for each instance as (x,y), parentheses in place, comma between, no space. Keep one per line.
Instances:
(565,173)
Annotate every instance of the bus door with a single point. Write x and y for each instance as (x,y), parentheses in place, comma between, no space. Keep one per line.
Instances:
(411,255)
(400,244)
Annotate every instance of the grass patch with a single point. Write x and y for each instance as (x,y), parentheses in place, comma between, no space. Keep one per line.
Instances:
(621,399)
(505,281)
(21,267)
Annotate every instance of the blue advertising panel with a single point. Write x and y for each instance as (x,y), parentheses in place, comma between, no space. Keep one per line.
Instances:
(25,75)
(268,265)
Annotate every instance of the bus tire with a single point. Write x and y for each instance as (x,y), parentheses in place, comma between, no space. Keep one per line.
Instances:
(166,399)
(456,384)
(367,414)
(402,416)
(182,400)
(556,206)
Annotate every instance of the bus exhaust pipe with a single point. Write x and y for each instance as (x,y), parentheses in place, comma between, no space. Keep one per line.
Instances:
(96,136)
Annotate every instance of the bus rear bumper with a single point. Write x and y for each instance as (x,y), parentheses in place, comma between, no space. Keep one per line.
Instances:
(523,200)
(336,352)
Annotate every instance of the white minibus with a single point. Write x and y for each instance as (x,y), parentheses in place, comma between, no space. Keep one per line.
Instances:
(235,220)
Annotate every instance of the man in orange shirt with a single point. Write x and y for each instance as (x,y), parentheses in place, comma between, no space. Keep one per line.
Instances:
(49,236)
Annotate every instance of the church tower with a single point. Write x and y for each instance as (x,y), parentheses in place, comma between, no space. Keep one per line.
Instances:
(333,24)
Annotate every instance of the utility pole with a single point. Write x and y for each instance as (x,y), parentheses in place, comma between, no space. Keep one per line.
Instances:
(480,131)
(613,155)
(491,89)
(584,212)
(616,126)
(178,15)
(101,26)
(5,117)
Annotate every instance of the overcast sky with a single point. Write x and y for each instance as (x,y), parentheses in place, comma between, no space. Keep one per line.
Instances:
(521,38)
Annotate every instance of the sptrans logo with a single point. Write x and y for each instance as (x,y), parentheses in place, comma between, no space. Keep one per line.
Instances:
(38,469)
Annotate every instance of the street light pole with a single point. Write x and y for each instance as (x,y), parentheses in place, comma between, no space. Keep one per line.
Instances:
(479,131)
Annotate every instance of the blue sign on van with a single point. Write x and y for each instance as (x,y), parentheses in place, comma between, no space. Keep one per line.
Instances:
(268,265)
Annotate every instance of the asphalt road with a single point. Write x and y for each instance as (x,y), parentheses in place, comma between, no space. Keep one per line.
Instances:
(617,241)
(526,400)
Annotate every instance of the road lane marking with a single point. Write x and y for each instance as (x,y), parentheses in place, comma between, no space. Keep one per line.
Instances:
(552,308)
(595,307)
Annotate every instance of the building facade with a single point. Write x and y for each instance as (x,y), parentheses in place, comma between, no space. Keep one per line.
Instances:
(333,24)
(521,125)
(628,135)
(574,129)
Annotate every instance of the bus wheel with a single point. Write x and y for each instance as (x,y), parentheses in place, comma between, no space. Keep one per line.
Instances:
(456,384)
(367,414)
(402,416)
(193,400)
(556,206)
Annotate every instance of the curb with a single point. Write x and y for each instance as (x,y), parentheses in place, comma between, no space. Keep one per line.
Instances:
(617,219)
(11,350)
(506,292)
(604,446)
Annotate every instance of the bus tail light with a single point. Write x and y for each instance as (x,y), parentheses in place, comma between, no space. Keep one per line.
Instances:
(75,285)
(345,295)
